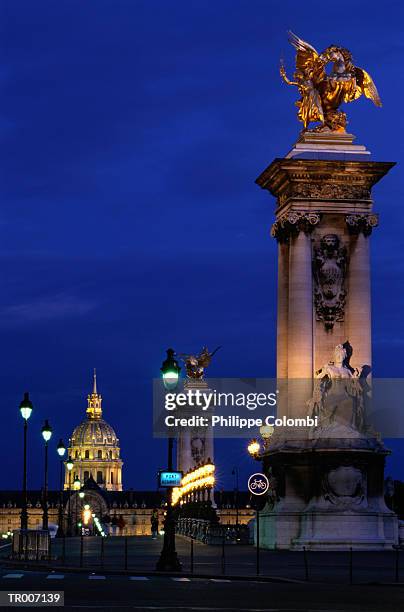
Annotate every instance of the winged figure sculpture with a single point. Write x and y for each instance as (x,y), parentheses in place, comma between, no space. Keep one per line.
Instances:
(195,364)
(323,93)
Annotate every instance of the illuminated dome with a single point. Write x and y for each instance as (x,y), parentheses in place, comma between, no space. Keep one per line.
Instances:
(91,432)
(94,449)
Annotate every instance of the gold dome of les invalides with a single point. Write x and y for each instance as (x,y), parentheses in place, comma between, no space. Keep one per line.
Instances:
(94,449)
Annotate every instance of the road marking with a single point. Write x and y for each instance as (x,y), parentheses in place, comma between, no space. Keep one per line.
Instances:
(13,575)
(181,579)
(55,577)
(219,580)
(92,577)
(138,578)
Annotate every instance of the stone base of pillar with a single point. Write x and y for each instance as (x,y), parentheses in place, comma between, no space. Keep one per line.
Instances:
(328,531)
(328,499)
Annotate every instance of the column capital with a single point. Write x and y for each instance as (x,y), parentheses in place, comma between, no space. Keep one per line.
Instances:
(291,223)
(361,223)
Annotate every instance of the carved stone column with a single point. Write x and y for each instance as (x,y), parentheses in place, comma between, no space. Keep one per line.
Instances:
(330,492)
(358,299)
(282,317)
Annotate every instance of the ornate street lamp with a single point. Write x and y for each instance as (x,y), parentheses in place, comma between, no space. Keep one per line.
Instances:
(69,466)
(170,371)
(26,410)
(46,434)
(61,449)
(76,487)
(236,491)
(168,560)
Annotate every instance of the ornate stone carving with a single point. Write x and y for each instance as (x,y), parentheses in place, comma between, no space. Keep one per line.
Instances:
(330,262)
(198,449)
(345,487)
(339,397)
(361,223)
(292,223)
(329,191)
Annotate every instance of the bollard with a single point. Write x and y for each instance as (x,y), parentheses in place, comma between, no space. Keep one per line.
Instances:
(350,566)
(81,549)
(223,557)
(192,555)
(102,551)
(397,565)
(126,552)
(306,564)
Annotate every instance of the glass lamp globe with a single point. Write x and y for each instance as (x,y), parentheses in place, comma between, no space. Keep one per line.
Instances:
(26,407)
(69,464)
(61,449)
(46,431)
(266,431)
(253,448)
(170,370)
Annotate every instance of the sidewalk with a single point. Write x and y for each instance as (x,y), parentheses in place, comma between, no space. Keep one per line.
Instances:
(238,561)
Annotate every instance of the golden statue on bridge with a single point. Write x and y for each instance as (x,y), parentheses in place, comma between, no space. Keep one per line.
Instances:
(322,94)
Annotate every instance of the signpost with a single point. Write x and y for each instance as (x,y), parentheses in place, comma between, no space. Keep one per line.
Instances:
(258,484)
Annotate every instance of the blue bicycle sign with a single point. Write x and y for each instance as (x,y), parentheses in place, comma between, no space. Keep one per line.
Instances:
(258,484)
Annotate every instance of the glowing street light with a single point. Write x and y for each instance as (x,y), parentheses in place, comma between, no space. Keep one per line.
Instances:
(168,558)
(69,466)
(170,371)
(26,407)
(46,434)
(61,449)
(254,448)
(26,410)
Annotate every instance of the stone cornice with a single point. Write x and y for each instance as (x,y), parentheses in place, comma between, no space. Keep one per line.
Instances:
(316,180)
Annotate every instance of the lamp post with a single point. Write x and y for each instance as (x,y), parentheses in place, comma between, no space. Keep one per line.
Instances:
(26,410)
(236,490)
(168,560)
(46,434)
(61,449)
(76,486)
(69,467)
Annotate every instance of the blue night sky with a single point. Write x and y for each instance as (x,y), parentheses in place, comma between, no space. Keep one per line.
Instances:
(131,136)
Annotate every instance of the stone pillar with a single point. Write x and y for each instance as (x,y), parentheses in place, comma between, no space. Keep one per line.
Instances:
(300,332)
(325,291)
(359,296)
(282,316)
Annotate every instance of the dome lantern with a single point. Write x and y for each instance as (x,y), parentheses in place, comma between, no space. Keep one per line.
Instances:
(94,409)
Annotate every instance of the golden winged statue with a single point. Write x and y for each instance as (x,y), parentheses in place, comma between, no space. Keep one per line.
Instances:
(322,94)
(196,364)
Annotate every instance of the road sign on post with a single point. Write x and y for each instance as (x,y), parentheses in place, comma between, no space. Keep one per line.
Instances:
(258,484)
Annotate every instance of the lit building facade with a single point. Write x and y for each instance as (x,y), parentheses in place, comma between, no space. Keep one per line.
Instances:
(94,449)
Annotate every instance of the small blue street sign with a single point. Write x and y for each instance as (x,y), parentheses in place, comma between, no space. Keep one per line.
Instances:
(170,479)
